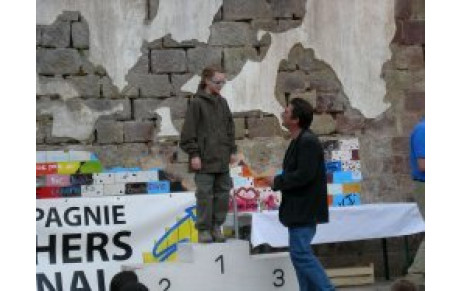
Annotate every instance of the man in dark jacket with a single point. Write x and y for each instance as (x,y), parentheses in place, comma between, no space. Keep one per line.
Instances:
(303,186)
(208,137)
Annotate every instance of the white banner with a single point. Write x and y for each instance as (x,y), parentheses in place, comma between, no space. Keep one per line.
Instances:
(82,242)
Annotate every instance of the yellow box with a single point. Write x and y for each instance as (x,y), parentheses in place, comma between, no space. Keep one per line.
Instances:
(351,188)
(68,168)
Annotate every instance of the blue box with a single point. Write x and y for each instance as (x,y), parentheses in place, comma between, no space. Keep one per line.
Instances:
(342,177)
(158,187)
(335,166)
(341,200)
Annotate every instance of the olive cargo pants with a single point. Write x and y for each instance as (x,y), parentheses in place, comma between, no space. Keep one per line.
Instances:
(212,197)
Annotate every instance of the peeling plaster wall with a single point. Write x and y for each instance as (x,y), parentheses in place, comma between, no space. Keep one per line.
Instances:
(110,75)
(336,32)
(118,27)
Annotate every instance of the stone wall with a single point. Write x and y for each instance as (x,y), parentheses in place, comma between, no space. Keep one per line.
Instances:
(82,106)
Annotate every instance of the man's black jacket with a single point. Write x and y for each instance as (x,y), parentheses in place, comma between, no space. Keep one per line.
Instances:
(303,183)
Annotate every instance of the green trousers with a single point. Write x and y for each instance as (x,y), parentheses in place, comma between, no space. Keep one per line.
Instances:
(212,199)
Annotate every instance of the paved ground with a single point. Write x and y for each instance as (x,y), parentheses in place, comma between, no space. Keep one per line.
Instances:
(378,286)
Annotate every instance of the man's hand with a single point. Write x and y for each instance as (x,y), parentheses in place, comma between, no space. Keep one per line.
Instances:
(270,180)
(195,163)
(233,159)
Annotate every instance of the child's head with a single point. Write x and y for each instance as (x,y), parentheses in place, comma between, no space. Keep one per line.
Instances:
(122,278)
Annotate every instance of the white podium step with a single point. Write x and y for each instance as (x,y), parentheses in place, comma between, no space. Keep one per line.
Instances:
(219,267)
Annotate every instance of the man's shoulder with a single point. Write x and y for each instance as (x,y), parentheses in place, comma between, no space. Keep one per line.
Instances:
(419,128)
(309,137)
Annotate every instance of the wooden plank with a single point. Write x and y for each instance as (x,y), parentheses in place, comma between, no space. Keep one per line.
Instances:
(352,276)
(351,271)
(353,281)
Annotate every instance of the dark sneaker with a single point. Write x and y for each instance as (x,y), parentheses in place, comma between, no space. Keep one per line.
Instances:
(204,236)
(218,235)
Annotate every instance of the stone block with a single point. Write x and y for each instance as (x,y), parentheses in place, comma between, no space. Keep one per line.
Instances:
(148,85)
(108,104)
(275,26)
(142,66)
(56,35)
(408,57)
(124,155)
(325,81)
(138,131)
(69,16)
(168,61)
(38,34)
(87,86)
(323,124)
(263,127)
(244,10)
(80,35)
(400,145)
(109,131)
(288,8)
(200,57)
(263,153)
(415,101)
(350,122)
(403,9)
(109,90)
(400,164)
(178,106)
(168,42)
(265,24)
(418,10)
(291,82)
(58,61)
(285,25)
(240,128)
(309,96)
(329,102)
(230,34)
(178,80)
(414,32)
(42,130)
(235,58)
(144,108)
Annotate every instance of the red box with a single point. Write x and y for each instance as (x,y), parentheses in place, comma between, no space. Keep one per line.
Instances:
(46,169)
(48,192)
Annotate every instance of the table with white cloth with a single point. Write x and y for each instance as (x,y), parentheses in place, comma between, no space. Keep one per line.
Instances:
(368,221)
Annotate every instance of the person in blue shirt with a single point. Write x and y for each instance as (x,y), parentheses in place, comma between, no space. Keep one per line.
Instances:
(416,272)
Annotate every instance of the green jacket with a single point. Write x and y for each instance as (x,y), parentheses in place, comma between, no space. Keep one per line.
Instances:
(209,132)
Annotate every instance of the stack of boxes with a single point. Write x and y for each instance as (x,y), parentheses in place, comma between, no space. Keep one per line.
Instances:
(343,169)
(79,173)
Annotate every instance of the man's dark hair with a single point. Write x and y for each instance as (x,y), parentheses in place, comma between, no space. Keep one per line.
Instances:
(302,110)
(134,286)
(208,73)
(121,279)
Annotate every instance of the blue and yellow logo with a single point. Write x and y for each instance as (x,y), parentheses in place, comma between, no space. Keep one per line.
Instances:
(165,249)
